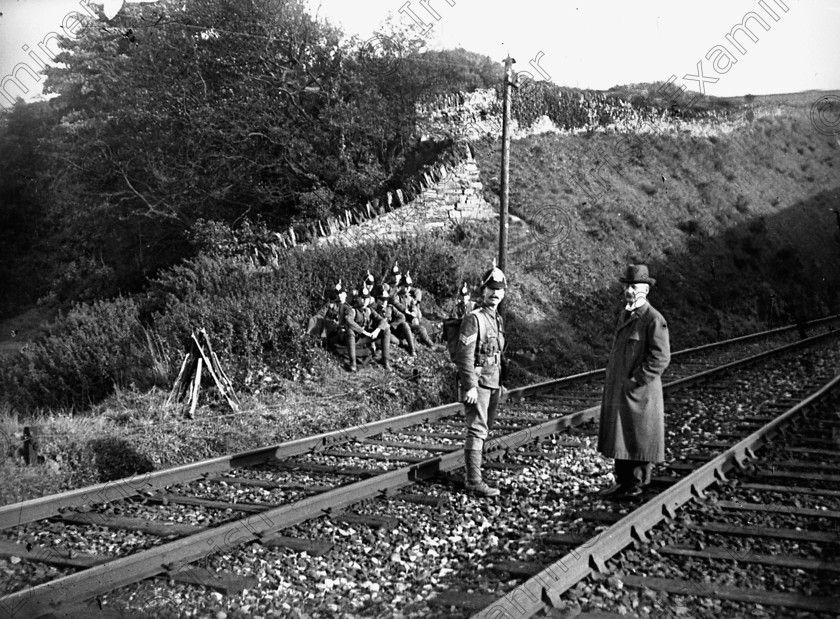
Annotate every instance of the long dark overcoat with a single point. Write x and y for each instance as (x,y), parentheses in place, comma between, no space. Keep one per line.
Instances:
(633,416)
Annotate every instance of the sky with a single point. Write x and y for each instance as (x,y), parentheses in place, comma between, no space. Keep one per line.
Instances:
(791,45)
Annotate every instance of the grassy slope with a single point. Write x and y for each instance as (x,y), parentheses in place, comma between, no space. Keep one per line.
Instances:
(737,218)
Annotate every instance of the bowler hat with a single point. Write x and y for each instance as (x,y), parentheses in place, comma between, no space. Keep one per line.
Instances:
(637,274)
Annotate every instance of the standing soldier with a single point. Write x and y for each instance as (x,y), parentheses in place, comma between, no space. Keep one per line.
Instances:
(363,326)
(407,304)
(396,321)
(325,322)
(632,427)
(478,356)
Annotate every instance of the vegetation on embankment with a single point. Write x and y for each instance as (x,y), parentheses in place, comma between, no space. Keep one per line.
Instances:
(737,229)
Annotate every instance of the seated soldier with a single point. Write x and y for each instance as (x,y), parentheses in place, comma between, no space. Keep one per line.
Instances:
(463,305)
(396,320)
(362,326)
(452,327)
(396,276)
(406,303)
(324,323)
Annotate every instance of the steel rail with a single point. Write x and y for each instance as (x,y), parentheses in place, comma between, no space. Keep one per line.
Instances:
(44,507)
(536,387)
(16,514)
(171,557)
(521,392)
(544,589)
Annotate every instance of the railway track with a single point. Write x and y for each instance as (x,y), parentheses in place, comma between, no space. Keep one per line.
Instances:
(259,496)
(769,502)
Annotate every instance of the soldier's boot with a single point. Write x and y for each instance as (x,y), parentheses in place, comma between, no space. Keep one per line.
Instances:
(411,346)
(351,352)
(474,483)
(386,349)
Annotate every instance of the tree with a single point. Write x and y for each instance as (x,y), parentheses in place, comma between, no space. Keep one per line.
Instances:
(223,110)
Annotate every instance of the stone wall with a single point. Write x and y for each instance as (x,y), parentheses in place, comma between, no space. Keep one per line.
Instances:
(444,195)
(477,115)
(448,195)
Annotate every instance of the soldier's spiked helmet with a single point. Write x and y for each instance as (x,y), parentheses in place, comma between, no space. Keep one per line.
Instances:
(363,290)
(395,274)
(465,290)
(406,281)
(382,291)
(494,278)
(331,292)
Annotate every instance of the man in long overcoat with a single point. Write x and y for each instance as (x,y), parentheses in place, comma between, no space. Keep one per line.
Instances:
(632,429)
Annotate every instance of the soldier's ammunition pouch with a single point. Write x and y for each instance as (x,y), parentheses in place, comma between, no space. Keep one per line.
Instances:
(488,360)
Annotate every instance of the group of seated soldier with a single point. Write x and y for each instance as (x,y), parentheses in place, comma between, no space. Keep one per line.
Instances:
(376,316)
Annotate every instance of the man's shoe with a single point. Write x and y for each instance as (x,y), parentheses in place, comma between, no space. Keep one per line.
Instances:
(613,490)
(482,489)
(351,367)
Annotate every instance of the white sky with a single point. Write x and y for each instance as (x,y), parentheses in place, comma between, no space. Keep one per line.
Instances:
(584,43)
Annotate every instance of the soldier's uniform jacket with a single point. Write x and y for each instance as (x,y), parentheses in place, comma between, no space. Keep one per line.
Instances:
(632,423)
(479,357)
(330,311)
(360,320)
(407,304)
(390,314)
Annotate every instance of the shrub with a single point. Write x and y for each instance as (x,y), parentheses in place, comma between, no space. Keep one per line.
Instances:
(256,317)
(88,351)
(252,317)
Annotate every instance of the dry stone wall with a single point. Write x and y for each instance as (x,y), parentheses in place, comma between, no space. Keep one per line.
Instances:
(443,196)
(476,115)
(448,195)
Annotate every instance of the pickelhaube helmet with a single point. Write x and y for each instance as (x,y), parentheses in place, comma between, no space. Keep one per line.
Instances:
(407,279)
(331,292)
(365,287)
(465,290)
(494,278)
(382,291)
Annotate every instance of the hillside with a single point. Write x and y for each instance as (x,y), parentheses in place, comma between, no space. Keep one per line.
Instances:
(735,223)
(736,227)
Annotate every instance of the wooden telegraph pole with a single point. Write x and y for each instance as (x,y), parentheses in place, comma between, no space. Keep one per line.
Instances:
(503,202)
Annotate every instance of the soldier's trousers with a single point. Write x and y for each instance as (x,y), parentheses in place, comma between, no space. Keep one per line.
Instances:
(324,328)
(421,334)
(403,332)
(384,339)
(480,417)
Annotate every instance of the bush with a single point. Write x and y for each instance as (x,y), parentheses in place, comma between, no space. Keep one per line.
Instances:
(255,317)
(88,351)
